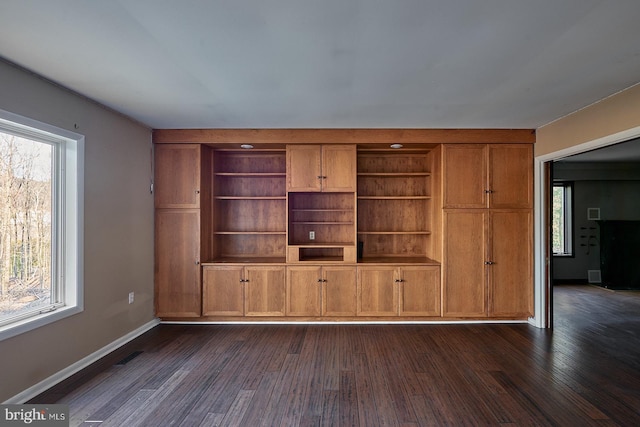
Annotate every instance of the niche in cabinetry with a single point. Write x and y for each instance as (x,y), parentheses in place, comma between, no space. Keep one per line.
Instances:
(396,213)
(322,227)
(249,219)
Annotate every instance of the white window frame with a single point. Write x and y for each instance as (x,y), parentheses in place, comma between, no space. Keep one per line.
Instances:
(67,235)
(567,213)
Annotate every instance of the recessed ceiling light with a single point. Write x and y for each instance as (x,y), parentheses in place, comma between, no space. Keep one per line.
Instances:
(396,145)
(246,146)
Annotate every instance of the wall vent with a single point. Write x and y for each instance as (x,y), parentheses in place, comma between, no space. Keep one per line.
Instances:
(594,276)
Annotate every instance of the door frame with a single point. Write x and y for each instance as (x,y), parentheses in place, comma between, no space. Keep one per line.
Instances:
(543,309)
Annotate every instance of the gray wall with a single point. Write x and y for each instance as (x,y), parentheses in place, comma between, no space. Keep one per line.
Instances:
(612,187)
(118,233)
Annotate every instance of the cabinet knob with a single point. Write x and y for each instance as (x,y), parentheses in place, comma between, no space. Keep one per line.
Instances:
(399,280)
(197,262)
(197,191)
(244,280)
(488,191)
(489,263)
(321,280)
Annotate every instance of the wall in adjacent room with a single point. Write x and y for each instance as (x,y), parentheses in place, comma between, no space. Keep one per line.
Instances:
(614,188)
(118,232)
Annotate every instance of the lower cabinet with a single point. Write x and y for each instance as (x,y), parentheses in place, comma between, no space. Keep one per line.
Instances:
(487,263)
(321,291)
(398,291)
(243,290)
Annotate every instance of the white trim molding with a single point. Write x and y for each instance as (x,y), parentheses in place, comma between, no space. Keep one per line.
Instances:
(67,372)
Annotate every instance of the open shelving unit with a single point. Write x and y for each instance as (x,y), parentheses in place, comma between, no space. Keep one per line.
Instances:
(249,224)
(395,206)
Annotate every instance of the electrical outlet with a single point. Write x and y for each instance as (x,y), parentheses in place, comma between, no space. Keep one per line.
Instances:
(131,297)
(312,235)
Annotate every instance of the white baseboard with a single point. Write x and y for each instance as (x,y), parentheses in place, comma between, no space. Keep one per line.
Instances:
(62,375)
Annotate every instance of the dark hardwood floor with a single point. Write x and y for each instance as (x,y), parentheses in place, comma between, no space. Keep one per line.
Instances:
(586,371)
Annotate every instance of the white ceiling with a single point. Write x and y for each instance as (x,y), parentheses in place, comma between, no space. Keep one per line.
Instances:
(330,63)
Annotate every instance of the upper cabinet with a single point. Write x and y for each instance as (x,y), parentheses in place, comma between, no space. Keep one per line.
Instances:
(177,175)
(488,176)
(329,168)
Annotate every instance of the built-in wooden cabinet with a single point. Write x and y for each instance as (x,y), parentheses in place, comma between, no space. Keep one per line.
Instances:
(182,199)
(463,265)
(487,269)
(498,176)
(177,180)
(337,231)
(388,290)
(314,168)
(321,291)
(177,262)
(488,249)
(321,185)
(235,290)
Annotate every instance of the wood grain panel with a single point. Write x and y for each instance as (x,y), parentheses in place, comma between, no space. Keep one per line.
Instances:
(366,137)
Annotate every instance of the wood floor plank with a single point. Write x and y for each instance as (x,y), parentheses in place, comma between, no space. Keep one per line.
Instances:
(584,372)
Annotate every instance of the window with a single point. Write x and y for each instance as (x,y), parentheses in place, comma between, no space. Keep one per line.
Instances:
(41,170)
(561,219)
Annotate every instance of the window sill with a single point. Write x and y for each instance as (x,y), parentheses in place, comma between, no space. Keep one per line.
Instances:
(37,321)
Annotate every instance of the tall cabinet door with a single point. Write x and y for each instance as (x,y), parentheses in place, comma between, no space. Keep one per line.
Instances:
(464,176)
(510,271)
(511,176)
(264,291)
(177,175)
(177,263)
(339,168)
(463,267)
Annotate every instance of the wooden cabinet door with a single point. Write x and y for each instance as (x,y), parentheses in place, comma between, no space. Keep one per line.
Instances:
(304,171)
(264,291)
(377,291)
(339,168)
(419,291)
(177,175)
(511,271)
(339,291)
(304,291)
(463,266)
(177,263)
(464,175)
(511,176)
(222,291)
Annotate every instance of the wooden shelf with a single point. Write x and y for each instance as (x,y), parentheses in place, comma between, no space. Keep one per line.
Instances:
(394,232)
(251,174)
(394,174)
(281,233)
(323,222)
(246,260)
(394,197)
(250,198)
(397,260)
(320,210)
